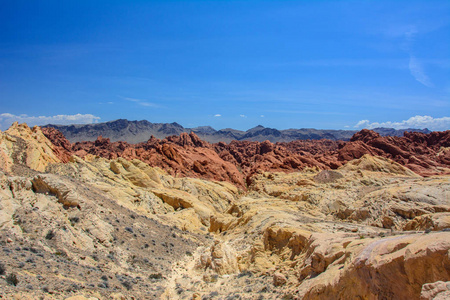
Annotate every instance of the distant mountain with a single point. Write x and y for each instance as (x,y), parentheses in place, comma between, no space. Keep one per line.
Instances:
(140,131)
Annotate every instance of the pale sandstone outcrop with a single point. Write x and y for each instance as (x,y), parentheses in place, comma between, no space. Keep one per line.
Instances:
(377,164)
(64,191)
(6,146)
(368,270)
(438,290)
(220,258)
(430,221)
(22,145)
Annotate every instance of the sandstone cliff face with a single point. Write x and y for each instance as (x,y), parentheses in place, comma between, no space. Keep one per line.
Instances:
(115,220)
(20,145)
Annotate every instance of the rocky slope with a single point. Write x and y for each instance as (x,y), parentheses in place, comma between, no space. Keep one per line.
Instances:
(141,131)
(104,220)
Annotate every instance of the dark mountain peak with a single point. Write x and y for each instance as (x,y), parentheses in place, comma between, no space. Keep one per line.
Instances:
(261,133)
(255,129)
(119,121)
(177,125)
(259,127)
(397,132)
(204,130)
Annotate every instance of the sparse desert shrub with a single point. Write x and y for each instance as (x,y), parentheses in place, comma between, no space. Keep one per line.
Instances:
(12,279)
(74,220)
(127,285)
(245,273)
(2,269)
(155,276)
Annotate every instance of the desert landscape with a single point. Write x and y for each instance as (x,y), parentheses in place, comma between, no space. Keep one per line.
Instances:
(225,150)
(181,218)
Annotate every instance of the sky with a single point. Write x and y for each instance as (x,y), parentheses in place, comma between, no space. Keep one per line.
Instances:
(227,64)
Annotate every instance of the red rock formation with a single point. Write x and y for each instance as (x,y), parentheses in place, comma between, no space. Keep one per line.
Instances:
(237,161)
(62,147)
(422,153)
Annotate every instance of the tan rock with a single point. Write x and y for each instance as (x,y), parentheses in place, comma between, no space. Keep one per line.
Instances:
(64,191)
(279,279)
(27,146)
(6,150)
(436,290)
(436,221)
(377,164)
(365,273)
(221,258)
(81,297)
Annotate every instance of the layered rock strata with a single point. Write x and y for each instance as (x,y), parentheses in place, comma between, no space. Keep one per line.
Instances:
(113,222)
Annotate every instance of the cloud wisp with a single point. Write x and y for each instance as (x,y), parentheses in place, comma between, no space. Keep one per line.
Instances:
(217,115)
(415,66)
(6,119)
(417,122)
(416,70)
(140,102)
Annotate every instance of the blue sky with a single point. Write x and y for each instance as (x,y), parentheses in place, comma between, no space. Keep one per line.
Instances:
(282,64)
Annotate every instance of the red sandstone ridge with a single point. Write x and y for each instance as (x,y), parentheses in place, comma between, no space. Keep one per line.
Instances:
(424,154)
(184,155)
(188,155)
(61,146)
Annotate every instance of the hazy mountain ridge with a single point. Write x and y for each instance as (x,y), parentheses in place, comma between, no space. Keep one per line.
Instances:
(141,131)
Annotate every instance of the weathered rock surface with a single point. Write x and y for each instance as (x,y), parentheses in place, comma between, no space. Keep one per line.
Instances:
(437,290)
(20,145)
(97,247)
(116,221)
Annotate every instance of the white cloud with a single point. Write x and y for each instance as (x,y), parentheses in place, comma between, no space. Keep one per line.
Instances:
(416,70)
(417,122)
(217,115)
(6,119)
(243,116)
(262,116)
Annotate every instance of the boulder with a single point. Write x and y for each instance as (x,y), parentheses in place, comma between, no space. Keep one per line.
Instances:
(64,191)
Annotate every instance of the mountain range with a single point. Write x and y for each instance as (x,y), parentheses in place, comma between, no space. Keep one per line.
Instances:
(141,131)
